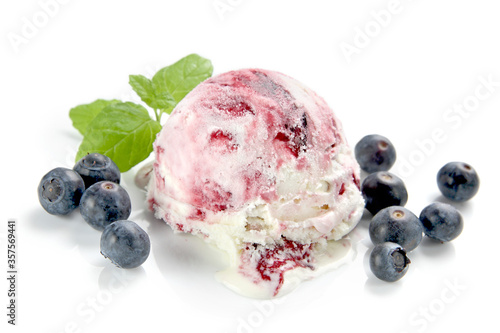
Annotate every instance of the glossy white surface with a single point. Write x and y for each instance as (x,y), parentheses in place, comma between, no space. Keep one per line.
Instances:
(427,76)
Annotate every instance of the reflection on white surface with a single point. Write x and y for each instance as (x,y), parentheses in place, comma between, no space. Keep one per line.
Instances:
(116,280)
(426,61)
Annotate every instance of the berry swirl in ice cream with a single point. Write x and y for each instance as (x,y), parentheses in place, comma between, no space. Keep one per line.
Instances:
(258,165)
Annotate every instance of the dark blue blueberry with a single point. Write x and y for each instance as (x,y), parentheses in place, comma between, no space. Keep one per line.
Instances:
(125,243)
(103,203)
(396,224)
(375,153)
(388,261)
(458,181)
(60,191)
(383,189)
(441,222)
(95,168)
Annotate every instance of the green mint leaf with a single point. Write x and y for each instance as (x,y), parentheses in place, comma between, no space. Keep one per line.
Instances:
(143,87)
(177,80)
(163,100)
(124,132)
(82,115)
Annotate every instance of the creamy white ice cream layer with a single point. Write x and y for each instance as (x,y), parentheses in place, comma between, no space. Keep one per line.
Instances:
(258,165)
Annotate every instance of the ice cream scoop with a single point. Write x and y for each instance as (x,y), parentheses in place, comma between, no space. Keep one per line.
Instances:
(257,164)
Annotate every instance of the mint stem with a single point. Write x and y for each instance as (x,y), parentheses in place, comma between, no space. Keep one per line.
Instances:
(158,115)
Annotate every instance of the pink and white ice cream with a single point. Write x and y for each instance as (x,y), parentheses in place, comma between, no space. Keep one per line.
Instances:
(257,164)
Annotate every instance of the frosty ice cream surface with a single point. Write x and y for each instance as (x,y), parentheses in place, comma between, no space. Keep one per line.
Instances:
(257,164)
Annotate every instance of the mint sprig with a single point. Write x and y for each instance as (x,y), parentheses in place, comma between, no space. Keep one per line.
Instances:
(125,131)
(170,84)
(82,115)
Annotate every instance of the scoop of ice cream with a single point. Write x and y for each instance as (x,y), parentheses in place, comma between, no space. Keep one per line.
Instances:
(257,164)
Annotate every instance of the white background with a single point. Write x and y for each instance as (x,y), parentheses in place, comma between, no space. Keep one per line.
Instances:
(407,77)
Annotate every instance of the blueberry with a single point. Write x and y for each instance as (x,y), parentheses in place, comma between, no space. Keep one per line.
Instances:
(388,261)
(125,243)
(60,191)
(95,168)
(458,181)
(383,189)
(375,153)
(441,222)
(103,203)
(396,224)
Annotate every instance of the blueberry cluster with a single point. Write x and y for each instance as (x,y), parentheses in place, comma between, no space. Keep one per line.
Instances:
(395,230)
(93,186)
